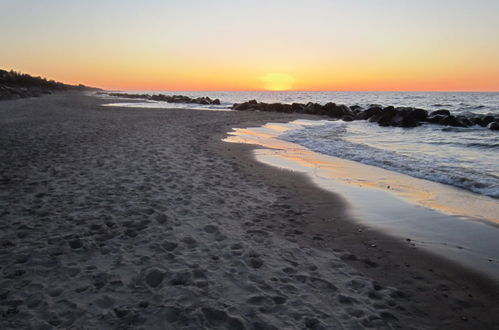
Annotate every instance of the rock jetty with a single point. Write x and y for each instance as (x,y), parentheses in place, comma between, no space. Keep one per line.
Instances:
(168,98)
(384,116)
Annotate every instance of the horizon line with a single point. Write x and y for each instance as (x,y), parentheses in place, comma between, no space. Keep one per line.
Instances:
(301,90)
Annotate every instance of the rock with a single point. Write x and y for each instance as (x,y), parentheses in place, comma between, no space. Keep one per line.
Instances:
(336,111)
(366,114)
(384,118)
(442,112)
(274,107)
(314,109)
(297,107)
(477,121)
(404,119)
(408,117)
(420,114)
(216,102)
(487,120)
(493,126)
(154,277)
(241,106)
(437,119)
(452,121)
(384,115)
(465,121)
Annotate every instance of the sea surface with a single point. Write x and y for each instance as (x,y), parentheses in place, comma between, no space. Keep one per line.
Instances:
(467,158)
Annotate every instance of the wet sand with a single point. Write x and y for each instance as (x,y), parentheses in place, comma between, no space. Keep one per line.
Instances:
(454,223)
(135,218)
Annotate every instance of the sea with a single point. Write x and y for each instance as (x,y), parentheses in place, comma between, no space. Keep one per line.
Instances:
(467,158)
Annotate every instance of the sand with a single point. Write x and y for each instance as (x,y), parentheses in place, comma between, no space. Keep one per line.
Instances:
(144,219)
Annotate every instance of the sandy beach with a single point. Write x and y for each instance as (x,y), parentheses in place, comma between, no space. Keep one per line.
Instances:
(145,219)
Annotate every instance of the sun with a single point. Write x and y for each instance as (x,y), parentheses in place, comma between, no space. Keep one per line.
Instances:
(278,81)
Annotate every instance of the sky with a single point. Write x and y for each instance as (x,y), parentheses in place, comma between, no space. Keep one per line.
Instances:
(368,45)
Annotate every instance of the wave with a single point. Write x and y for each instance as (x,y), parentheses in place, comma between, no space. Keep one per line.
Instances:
(330,139)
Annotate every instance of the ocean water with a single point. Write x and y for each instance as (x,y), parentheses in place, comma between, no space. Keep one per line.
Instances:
(467,158)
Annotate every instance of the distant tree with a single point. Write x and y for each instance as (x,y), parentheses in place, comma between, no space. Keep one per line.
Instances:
(15,79)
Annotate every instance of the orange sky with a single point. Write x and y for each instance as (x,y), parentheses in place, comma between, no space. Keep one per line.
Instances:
(254,45)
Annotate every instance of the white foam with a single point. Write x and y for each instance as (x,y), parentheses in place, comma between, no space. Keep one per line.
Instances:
(401,151)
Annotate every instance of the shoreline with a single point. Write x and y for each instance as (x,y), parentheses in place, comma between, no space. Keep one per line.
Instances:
(426,214)
(137,217)
(393,261)
(331,202)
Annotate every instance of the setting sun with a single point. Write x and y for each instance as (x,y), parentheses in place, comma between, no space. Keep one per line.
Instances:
(278,81)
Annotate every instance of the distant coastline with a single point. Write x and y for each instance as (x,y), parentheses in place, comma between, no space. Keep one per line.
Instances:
(16,85)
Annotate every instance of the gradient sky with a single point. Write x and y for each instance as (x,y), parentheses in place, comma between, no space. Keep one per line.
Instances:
(255,45)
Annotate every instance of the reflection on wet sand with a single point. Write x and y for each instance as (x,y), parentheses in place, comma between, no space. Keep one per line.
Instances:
(425,193)
(454,222)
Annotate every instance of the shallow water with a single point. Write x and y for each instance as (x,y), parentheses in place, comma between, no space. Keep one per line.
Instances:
(467,158)
(442,219)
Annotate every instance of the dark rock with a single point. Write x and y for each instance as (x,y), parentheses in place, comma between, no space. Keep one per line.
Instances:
(240,106)
(437,119)
(356,108)
(487,120)
(337,111)
(419,114)
(287,108)
(493,126)
(465,121)
(348,118)
(297,107)
(366,114)
(314,109)
(452,121)
(385,117)
(442,112)
(407,117)
(477,121)
(404,119)
(275,107)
